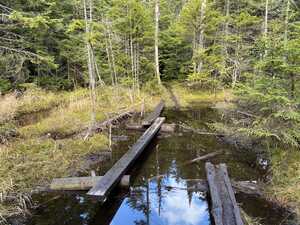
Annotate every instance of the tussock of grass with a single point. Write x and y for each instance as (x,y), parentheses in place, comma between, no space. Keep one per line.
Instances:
(249,220)
(285,185)
(28,163)
(8,107)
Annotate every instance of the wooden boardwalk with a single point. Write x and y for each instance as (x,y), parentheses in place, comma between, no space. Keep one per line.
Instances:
(224,209)
(154,115)
(113,176)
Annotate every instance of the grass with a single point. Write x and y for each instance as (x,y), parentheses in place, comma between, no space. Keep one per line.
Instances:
(285,185)
(32,158)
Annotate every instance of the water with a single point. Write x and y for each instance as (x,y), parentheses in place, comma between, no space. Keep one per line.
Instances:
(161,191)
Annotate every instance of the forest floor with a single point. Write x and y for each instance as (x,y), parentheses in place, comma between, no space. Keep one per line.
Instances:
(37,140)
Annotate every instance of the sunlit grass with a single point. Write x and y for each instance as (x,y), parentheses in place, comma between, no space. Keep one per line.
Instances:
(285,186)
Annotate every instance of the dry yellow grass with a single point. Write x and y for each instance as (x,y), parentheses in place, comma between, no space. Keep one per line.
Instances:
(8,107)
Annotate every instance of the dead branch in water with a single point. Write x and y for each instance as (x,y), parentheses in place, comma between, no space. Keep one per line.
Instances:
(204,157)
(187,128)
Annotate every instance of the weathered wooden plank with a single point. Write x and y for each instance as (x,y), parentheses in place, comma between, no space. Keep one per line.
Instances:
(154,115)
(236,209)
(217,209)
(81,183)
(113,176)
(166,128)
(225,210)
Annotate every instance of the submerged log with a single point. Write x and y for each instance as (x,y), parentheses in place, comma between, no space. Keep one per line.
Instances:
(204,157)
(225,210)
(113,176)
(154,115)
(81,183)
(167,128)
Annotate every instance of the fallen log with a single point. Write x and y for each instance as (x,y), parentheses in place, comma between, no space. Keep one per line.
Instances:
(204,157)
(167,128)
(225,210)
(154,115)
(103,188)
(82,183)
(100,126)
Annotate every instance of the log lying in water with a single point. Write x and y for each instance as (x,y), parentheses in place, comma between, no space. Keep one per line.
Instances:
(103,188)
(82,183)
(154,115)
(166,128)
(204,157)
(244,187)
(225,210)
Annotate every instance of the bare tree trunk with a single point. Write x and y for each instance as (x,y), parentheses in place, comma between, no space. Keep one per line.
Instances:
(266,18)
(156,41)
(112,56)
(201,34)
(92,82)
(286,31)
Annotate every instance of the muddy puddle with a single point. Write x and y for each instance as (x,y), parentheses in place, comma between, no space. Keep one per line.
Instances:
(160,191)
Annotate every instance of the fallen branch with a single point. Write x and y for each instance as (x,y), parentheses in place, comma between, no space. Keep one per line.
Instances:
(199,131)
(247,114)
(204,157)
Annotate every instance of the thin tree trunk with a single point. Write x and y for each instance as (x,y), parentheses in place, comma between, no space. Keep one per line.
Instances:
(266,18)
(201,34)
(156,41)
(90,63)
(286,31)
(112,56)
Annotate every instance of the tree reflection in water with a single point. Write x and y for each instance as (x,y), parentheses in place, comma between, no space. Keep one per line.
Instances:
(165,201)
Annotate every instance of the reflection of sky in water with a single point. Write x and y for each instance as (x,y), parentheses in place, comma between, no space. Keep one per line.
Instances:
(167,206)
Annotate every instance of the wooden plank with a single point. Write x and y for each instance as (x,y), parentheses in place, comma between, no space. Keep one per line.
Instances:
(113,176)
(165,128)
(217,209)
(154,115)
(225,210)
(81,183)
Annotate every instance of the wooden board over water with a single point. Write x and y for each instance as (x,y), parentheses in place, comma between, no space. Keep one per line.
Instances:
(225,210)
(154,115)
(113,176)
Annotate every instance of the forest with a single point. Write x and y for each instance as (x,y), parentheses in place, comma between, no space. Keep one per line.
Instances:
(65,65)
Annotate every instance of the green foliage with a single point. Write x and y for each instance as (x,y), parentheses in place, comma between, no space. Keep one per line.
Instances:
(5,86)
(152,88)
